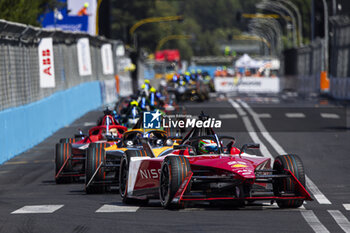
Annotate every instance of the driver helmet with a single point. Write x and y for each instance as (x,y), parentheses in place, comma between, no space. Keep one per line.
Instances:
(207,146)
(134,103)
(153,89)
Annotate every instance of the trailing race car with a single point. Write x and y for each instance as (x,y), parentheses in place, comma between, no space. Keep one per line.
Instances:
(184,88)
(103,159)
(70,154)
(204,168)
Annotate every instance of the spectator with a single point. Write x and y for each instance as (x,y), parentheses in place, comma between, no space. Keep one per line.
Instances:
(83,11)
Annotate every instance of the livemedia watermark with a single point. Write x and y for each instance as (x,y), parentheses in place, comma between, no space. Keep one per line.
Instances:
(155,120)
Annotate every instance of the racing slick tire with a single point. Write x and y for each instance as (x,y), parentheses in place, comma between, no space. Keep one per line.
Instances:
(174,170)
(62,153)
(123,177)
(294,164)
(67,140)
(95,155)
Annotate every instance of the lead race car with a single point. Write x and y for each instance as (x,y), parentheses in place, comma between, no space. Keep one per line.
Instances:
(202,168)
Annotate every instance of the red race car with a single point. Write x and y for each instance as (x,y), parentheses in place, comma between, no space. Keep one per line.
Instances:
(207,167)
(70,154)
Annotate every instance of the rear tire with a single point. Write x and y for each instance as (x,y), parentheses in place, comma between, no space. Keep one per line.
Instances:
(173,172)
(63,152)
(124,175)
(295,165)
(94,156)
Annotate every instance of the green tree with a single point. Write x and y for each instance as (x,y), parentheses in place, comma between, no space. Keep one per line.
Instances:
(207,22)
(24,11)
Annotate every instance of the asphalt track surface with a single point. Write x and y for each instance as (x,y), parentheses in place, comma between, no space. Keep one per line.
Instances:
(314,129)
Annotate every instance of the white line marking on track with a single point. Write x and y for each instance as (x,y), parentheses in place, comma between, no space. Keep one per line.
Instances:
(330,115)
(262,206)
(275,206)
(228,116)
(264,115)
(117,208)
(295,115)
(237,107)
(89,123)
(341,220)
(37,209)
(346,206)
(253,135)
(15,162)
(313,221)
(250,129)
(320,197)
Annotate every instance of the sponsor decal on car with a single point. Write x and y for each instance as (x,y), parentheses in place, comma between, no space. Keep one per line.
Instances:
(149,173)
(239,165)
(83,147)
(236,164)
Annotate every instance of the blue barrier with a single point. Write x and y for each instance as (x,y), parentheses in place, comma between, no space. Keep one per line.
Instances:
(23,127)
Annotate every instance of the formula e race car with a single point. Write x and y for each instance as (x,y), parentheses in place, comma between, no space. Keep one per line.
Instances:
(70,154)
(103,159)
(207,167)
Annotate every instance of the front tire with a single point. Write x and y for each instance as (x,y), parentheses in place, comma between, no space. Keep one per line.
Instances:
(124,175)
(94,157)
(285,185)
(63,153)
(173,172)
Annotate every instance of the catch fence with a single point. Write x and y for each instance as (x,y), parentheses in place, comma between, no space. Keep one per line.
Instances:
(311,61)
(20,77)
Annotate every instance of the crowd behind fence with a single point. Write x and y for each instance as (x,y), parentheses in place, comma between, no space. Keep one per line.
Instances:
(19,62)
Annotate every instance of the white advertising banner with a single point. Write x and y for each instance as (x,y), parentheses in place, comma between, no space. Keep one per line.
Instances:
(107,59)
(247,84)
(109,91)
(84,58)
(125,85)
(46,63)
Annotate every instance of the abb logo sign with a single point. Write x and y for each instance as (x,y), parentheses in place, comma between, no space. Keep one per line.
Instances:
(46,63)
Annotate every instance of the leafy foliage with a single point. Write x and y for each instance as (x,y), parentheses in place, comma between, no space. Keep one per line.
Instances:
(24,11)
(205,21)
